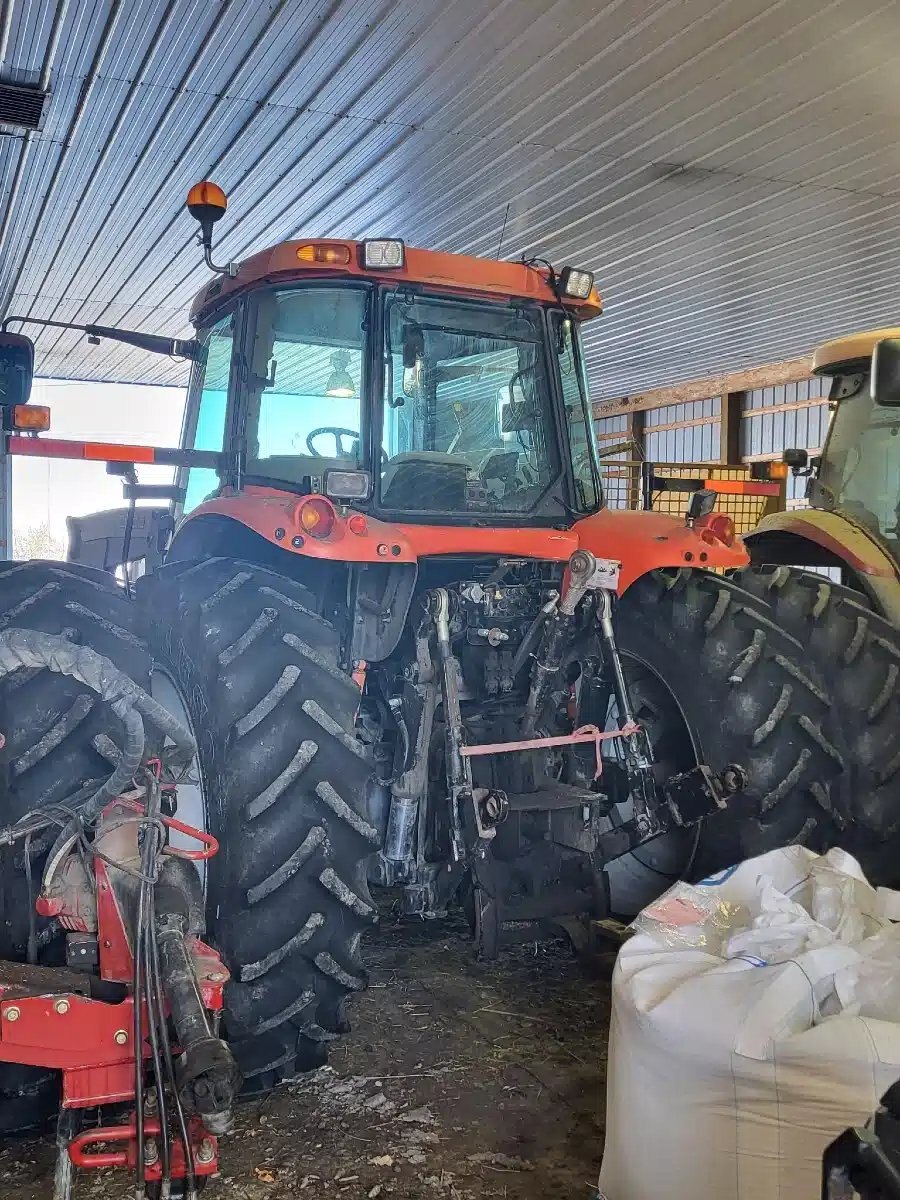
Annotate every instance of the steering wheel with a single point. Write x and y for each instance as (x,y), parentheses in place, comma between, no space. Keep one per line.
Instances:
(338,432)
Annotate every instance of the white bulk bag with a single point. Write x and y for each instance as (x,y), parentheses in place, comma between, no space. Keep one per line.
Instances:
(727,1078)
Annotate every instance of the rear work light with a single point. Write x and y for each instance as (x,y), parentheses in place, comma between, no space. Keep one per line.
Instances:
(316,517)
(33,417)
(383,254)
(348,485)
(315,252)
(576,283)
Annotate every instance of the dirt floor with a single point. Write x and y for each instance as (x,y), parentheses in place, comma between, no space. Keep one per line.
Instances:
(460,1079)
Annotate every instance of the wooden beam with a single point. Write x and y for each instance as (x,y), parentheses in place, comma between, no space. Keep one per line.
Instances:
(771,375)
(634,423)
(776,456)
(635,427)
(683,424)
(788,406)
(730,427)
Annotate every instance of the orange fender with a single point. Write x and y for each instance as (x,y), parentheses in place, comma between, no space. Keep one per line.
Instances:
(644,541)
(641,541)
(847,540)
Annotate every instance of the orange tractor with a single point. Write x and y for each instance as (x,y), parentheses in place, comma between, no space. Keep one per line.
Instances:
(412,645)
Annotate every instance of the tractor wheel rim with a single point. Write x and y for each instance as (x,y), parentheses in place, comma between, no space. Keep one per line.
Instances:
(668,857)
(192,803)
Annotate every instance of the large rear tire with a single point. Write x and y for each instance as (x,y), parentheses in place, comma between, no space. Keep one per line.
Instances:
(858,653)
(56,732)
(284,781)
(738,686)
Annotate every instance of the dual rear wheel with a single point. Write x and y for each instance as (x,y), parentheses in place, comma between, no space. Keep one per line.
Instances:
(280,776)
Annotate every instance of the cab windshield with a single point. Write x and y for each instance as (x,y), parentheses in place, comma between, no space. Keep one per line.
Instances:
(304,408)
(468,421)
(462,418)
(860,468)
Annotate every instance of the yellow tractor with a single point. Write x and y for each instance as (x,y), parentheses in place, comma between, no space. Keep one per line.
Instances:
(832,570)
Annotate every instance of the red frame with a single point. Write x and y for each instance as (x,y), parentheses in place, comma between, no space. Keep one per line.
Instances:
(91,1041)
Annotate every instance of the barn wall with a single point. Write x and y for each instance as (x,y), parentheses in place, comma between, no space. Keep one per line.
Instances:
(769,420)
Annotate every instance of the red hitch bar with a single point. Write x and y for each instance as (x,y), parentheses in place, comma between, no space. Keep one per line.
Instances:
(204,1149)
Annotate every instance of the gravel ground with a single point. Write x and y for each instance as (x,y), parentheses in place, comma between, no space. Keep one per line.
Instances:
(460,1079)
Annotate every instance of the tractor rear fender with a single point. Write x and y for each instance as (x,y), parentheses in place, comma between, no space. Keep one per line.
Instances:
(266,526)
(645,541)
(813,537)
(381,591)
(642,541)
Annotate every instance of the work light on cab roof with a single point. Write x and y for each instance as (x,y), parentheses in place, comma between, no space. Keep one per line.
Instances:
(576,283)
(527,279)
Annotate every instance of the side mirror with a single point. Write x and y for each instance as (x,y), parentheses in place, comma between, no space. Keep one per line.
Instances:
(797,460)
(413,343)
(16,369)
(885,378)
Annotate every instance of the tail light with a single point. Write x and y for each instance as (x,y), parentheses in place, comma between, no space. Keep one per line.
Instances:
(717,527)
(316,516)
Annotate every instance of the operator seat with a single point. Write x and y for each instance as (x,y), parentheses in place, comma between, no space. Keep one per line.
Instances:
(425,479)
(293,468)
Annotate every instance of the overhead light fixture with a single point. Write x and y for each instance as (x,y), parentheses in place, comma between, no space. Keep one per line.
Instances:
(383,254)
(340,383)
(576,283)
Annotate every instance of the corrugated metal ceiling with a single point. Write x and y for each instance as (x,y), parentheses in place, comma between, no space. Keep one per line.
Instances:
(727,167)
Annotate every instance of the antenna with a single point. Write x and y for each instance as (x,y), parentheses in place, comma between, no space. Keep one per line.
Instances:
(503,230)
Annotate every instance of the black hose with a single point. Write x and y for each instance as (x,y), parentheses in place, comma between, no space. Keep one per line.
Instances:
(138,1040)
(158,1031)
(162,719)
(149,868)
(170,1074)
(31,952)
(32,648)
(156,1023)
(126,539)
(529,641)
(129,761)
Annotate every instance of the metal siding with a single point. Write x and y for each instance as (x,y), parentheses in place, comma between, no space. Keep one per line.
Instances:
(770,433)
(736,210)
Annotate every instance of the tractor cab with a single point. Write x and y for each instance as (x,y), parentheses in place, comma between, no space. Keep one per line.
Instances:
(405,383)
(858,473)
(852,524)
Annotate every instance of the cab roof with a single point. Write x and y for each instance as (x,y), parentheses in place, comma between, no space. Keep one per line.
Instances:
(853,348)
(459,274)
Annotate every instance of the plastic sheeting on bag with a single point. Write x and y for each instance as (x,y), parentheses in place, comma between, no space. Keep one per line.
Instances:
(740,1047)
